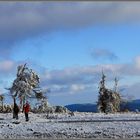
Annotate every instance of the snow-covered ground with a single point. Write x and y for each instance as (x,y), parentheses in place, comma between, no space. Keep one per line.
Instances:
(81,125)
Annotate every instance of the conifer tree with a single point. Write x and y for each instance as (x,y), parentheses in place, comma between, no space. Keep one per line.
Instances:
(108,100)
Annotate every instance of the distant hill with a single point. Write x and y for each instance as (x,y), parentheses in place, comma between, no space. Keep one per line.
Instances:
(132,106)
(82,107)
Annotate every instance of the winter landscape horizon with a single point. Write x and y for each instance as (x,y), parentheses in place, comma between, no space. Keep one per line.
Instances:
(69,49)
(75,64)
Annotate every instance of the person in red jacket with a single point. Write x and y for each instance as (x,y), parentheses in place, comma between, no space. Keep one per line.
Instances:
(26,109)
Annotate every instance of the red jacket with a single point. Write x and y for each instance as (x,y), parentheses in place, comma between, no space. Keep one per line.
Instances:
(26,108)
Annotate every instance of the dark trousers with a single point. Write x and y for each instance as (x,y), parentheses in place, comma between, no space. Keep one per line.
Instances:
(26,117)
(15,115)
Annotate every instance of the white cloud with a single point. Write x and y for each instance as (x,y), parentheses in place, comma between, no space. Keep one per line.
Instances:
(77,88)
(6,65)
(103,54)
(85,79)
(137,62)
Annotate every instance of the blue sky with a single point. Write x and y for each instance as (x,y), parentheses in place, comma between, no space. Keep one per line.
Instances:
(69,43)
(77,46)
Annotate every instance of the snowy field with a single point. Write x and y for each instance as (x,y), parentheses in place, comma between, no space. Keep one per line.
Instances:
(81,125)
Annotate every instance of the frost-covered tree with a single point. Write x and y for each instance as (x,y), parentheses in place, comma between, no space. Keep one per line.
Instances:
(26,85)
(108,100)
(1,100)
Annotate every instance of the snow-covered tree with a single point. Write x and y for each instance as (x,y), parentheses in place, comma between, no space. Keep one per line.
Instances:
(109,100)
(26,85)
(1,100)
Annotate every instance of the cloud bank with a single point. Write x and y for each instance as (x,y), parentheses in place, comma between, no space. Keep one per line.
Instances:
(74,80)
(23,20)
(81,80)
